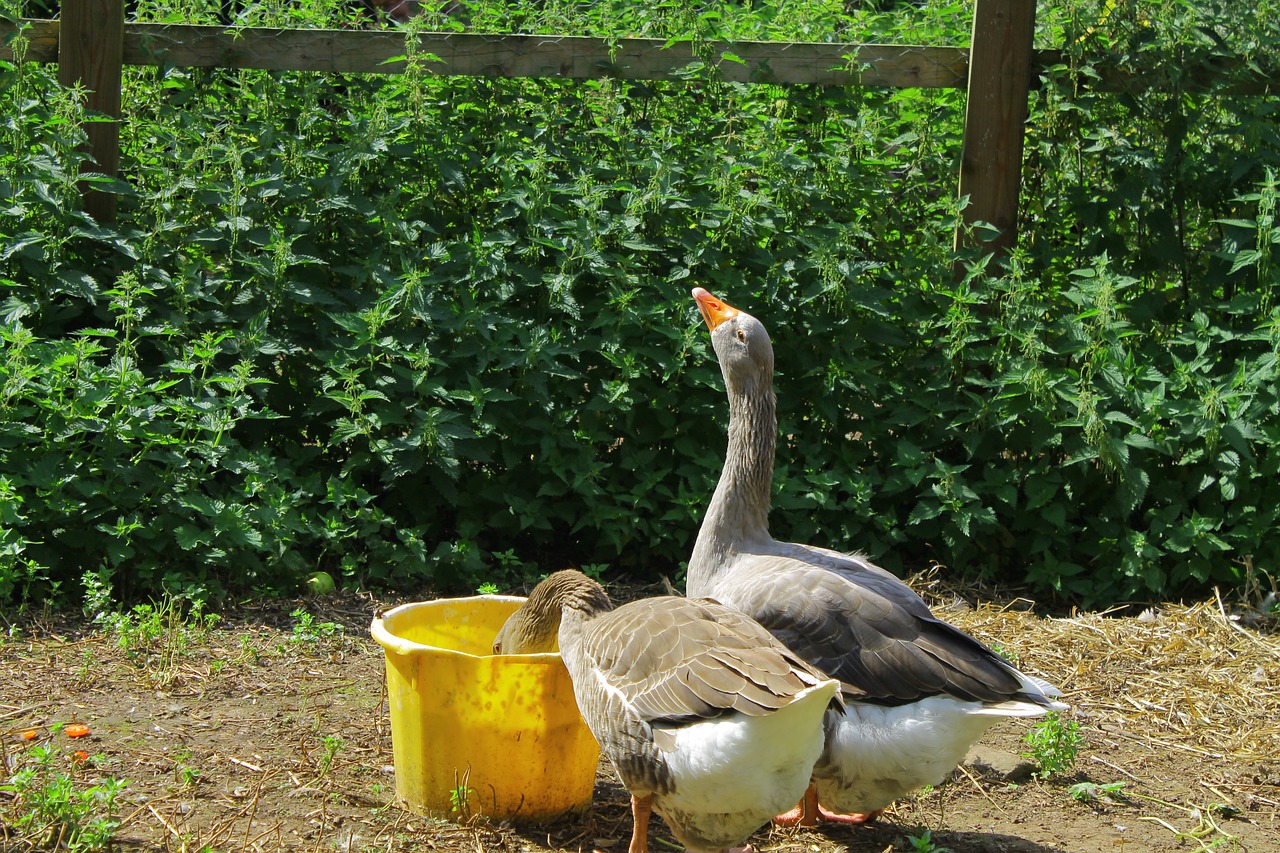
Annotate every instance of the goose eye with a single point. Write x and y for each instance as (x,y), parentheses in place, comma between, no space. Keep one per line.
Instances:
(742,335)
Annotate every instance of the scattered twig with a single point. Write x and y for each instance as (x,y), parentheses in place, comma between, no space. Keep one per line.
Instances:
(1274,651)
(261,835)
(1226,798)
(1207,825)
(253,808)
(163,822)
(22,712)
(981,790)
(1117,768)
(1169,744)
(1163,823)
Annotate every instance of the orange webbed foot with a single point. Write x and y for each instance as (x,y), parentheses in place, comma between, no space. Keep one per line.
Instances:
(804,814)
(809,812)
(851,818)
(795,817)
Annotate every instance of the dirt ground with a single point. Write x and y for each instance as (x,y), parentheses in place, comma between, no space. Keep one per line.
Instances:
(270,732)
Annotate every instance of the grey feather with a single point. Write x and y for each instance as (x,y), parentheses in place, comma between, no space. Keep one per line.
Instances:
(645,669)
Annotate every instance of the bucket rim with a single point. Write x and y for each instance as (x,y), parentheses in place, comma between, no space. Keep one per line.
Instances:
(400,646)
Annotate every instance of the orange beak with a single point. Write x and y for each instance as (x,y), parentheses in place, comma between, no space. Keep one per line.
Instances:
(713,310)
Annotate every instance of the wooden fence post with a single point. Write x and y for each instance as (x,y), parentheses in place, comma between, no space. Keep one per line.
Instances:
(91,53)
(996,115)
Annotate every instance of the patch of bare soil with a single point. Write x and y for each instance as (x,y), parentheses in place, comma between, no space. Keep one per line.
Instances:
(270,732)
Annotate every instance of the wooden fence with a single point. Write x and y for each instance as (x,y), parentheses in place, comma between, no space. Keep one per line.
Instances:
(91,44)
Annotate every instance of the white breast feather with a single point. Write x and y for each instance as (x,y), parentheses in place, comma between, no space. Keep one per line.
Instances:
(738,763)
(876,754)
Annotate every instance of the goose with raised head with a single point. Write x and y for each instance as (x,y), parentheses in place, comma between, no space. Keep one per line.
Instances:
(918,691)
(707,719)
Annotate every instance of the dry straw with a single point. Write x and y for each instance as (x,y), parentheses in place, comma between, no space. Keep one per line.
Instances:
(1196,678)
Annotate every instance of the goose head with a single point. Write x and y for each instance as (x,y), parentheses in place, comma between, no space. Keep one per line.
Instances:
(535,627)
(741,343)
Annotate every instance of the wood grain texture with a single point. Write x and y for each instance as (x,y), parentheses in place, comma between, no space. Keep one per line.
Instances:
(569,57)
(90,54)
(802,63)
(995,116)
(41,39)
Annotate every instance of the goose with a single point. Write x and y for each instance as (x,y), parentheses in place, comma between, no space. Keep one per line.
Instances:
(918,691)
(706,718)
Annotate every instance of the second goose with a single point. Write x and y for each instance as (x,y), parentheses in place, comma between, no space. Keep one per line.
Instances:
(918,692)
(705,717)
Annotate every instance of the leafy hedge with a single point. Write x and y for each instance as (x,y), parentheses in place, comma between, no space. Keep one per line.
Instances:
(420,330)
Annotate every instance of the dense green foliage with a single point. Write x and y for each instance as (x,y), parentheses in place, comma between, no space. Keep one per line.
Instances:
(416,329)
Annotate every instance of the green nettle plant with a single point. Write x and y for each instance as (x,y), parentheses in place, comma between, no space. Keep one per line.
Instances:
(54,808)
(1054,744)
(410,329)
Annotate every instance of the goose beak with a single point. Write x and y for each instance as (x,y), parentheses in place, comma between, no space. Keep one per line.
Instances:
(713,310)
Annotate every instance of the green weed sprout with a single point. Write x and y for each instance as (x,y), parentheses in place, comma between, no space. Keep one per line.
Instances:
(923,843)
(1088,792)
(307,630)
(54,809)
(1054,744)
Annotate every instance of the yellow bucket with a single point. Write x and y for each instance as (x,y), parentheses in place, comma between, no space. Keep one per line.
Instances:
(475,733)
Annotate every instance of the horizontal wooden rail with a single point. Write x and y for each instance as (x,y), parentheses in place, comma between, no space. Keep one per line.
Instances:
(478,55)
(570,57)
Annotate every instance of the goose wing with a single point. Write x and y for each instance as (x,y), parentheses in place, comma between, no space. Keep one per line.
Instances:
(673,659)
(864,627)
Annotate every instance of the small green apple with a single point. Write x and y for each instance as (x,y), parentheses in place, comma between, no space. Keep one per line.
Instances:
(320,583)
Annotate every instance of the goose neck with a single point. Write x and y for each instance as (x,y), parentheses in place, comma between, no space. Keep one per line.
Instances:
(738,516)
